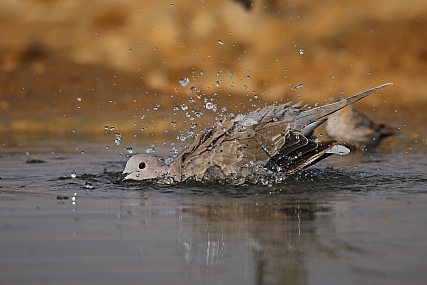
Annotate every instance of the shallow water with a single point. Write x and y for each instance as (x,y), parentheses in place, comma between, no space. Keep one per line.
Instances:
(358,219)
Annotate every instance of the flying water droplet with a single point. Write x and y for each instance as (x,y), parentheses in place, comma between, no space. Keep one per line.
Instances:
(184,81)
(209,105)
(198,114)
(151,149)
(118,139)
(73,174)
(299,86)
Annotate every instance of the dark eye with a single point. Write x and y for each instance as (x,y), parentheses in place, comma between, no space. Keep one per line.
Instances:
(141,165)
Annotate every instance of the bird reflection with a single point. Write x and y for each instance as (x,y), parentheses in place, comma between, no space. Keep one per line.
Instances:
(279,234)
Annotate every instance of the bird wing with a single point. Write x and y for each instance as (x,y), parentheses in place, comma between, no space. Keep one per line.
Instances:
(224,146)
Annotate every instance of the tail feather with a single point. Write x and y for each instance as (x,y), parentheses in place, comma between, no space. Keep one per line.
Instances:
(306,117)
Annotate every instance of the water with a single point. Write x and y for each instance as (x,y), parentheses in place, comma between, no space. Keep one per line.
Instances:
(352,220)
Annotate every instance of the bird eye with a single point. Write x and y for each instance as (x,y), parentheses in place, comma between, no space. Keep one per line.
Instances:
(141,165)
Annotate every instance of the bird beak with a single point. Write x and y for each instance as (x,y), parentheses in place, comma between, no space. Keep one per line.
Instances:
(121,178)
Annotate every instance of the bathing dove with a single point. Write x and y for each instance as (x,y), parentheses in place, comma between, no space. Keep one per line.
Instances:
(356,130)
(274,138)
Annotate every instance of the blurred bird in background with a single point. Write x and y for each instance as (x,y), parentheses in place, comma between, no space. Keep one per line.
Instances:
(356,130)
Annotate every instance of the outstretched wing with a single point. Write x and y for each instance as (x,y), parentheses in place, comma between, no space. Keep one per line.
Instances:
(224,146)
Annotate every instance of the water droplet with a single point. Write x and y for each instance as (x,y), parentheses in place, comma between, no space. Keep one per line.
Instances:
(73,174)
(151,149)
(190,133)
(301,51)
(112,128)
(79,99)
(176,108)
(198,114)
(130,50)
(191,99)
(172,5)
(230,73)
(184,107)
(118,139)
(156,107)
(78,106)
(220,42)
(299,86)
(173,124)
(129,149)
(83,152)
(209,105)
(88,185)
(201,72)
(184,81)
(106,128)
(224,109)
(192,89)
(142,117)
(155,48)
(73,130)
(217,84)
(248,77)
(168,161)
(142,129)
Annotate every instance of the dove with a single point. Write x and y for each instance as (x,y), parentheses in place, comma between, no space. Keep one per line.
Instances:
(356,130)
(276,138)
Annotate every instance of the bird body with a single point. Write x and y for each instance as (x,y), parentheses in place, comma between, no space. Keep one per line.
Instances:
(356,130)
(277,138)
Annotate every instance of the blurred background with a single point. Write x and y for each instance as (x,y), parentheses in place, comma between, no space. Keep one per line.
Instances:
(159,69)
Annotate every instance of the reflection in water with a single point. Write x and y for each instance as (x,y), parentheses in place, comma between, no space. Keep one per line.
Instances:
(279,233)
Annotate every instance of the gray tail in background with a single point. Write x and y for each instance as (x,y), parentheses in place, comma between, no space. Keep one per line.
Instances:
(306,117)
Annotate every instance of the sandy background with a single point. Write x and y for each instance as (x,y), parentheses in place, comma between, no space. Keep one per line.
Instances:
(74,67)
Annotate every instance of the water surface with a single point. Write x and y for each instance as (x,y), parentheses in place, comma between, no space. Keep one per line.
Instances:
(357,219)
